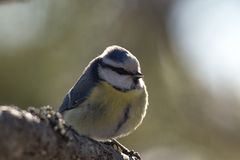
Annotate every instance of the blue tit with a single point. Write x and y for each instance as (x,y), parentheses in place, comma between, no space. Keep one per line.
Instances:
(110,99)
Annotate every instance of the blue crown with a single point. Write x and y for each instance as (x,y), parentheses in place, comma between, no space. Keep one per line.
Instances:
(118,54)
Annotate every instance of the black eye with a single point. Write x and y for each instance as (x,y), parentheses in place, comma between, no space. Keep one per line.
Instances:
(120,70)
(116,69)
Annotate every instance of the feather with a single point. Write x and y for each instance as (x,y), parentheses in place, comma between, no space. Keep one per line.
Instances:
(81,90)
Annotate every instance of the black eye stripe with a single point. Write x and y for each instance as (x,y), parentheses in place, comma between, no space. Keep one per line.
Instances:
(116,69)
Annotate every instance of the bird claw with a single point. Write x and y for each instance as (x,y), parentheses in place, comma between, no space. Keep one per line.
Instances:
(71,133)
(121,148)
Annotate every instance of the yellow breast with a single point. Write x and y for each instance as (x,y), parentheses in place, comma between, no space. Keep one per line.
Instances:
(100,115)
(104,93)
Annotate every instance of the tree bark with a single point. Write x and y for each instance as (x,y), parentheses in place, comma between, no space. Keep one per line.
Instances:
(41,134)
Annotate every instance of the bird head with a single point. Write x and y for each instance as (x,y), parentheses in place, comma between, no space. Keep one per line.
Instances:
(120,68)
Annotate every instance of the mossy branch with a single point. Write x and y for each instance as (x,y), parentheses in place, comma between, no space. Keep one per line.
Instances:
(40,134)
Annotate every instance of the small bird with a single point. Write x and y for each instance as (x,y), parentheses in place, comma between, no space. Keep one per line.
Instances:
(110,99)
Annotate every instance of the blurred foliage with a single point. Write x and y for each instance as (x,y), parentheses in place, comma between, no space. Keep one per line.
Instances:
(180,120)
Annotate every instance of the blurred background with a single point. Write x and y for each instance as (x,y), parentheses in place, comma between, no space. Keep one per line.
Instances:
(189,52)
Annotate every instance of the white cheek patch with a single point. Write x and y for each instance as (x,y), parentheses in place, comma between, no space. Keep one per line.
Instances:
(115,79)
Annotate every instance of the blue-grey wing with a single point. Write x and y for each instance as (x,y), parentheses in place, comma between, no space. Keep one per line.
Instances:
(81,90)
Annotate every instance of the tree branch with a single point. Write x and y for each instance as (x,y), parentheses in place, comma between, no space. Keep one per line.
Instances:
(42,134)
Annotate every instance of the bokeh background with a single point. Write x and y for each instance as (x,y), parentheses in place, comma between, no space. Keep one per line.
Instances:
(189,52)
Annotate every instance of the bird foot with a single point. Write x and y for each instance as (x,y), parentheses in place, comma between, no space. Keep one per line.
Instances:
(121,148)
(71,133)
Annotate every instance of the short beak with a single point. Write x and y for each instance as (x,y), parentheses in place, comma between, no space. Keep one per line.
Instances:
(138,75)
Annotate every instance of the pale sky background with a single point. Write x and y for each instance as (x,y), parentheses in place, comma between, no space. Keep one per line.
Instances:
(207,38)
(21,22)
